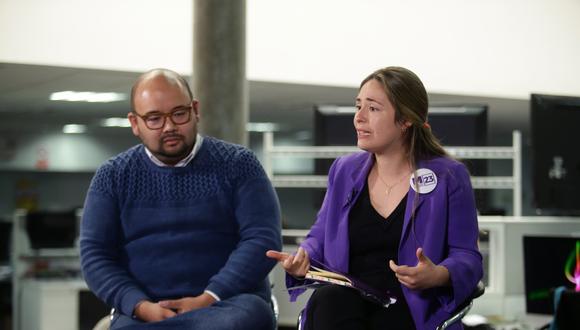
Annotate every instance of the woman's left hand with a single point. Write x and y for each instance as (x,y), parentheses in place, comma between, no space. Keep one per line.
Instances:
(424,275)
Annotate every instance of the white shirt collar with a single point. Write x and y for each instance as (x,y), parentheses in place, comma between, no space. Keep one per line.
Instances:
(184,161)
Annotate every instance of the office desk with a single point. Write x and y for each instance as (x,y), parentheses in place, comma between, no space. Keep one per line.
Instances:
(50,304)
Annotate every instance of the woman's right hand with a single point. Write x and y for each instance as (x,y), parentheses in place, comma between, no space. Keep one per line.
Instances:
(296,265)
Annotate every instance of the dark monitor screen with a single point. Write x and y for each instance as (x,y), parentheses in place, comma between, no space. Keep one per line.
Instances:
(459,125)
(5,235)
(453,125)
(556,160)
(545,261)
(47,230)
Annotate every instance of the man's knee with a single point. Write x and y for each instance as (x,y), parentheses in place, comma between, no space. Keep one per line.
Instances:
(247,311)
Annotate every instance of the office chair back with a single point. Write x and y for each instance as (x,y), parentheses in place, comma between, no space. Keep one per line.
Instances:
(464,308)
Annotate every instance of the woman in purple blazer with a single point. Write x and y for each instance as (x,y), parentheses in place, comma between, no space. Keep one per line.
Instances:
(399,216)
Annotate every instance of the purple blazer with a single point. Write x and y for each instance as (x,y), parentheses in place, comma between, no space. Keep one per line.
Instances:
(445,226)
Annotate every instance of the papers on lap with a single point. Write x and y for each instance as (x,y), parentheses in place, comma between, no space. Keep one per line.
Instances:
(319,274)
(316,277)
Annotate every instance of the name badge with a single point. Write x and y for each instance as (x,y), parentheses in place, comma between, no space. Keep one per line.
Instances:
(426,181)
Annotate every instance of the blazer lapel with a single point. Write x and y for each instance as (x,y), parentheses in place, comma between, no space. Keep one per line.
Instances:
(414,201)
(358,176)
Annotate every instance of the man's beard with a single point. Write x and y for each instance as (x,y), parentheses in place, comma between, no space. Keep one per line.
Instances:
(180,153)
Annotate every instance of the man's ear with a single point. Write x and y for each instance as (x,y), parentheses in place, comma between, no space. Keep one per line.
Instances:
(133,121)
(195,105)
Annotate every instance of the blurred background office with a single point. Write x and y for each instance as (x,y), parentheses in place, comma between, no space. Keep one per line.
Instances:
(66,68)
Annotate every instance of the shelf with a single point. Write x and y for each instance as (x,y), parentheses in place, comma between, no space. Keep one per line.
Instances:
(512,152)
(318,152)
(51,253)
(47,171)
(299,181)
(492,182)
(481,152)
(331,152)
(320,181)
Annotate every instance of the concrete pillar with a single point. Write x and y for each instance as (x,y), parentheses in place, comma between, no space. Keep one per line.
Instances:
(219,68)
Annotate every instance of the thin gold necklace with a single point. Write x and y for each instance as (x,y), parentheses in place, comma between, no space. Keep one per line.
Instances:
(390,187)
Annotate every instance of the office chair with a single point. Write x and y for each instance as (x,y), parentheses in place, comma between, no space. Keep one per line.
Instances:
(458,314)
(104,323)
(463,308)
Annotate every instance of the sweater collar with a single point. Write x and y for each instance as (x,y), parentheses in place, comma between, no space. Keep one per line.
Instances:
(182,163)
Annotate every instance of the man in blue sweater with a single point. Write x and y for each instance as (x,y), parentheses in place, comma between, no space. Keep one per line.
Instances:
(175,230)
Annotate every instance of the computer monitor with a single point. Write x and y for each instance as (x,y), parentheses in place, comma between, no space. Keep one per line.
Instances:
(463,125)
(52,229)
(556,160)
(5,237)
(546,261)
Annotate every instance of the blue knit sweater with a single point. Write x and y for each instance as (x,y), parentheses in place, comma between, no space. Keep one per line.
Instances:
(151,232)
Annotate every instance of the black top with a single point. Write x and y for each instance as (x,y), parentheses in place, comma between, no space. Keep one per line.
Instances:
(374,241)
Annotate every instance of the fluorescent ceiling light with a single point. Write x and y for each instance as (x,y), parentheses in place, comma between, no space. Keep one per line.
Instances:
(115,122)
(74,129)
(73,96)
(345,109)
(336,109)
(262,127)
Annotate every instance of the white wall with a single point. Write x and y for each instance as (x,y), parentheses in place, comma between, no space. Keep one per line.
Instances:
(131,35)
(479,47)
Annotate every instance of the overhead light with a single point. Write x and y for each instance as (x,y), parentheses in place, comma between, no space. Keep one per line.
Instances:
(74,129)
(336,109)
(73,96)
(262,127)
(341,109)
(115,122)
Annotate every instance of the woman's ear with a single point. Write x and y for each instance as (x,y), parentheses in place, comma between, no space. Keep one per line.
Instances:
(404,125)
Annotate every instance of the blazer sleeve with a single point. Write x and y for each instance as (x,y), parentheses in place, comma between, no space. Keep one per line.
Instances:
(464,261)
(314,242)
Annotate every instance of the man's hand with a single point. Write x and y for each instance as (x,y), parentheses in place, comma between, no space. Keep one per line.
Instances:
(152,312)
(295,265)
(424,275)
(187,304)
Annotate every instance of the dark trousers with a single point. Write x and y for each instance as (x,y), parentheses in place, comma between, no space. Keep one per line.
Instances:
(336,307)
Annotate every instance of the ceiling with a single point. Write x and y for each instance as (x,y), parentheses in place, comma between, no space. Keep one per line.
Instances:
(25,104)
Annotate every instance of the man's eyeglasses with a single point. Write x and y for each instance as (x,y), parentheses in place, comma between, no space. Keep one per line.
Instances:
(179,116)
